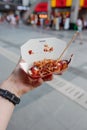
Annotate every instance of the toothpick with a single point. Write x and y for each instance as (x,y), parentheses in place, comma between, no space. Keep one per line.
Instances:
(73,38)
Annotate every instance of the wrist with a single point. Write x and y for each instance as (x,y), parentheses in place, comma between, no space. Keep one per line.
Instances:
(10,85)
(9,96)
(9,90)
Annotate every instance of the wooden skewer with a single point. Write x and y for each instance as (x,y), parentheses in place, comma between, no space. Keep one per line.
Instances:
(73,38)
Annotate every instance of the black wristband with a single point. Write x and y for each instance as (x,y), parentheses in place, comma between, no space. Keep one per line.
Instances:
(9,96)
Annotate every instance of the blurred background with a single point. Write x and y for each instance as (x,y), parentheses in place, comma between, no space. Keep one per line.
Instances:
(62,103)
(46,11)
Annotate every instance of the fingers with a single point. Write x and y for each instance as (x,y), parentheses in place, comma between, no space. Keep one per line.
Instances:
(40,81)
(35,82)
(48,77)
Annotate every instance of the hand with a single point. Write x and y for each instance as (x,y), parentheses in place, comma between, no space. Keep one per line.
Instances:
(20,83)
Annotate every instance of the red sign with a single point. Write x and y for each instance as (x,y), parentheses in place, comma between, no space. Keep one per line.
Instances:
(41,7)
(60,3)
(85,3)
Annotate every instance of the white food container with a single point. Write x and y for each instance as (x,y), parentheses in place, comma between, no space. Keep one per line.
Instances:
(37,46)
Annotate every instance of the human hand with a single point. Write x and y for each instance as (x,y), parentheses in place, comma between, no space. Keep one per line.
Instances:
(20,83)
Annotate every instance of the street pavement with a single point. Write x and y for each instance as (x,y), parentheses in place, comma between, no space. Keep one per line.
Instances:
(60,104)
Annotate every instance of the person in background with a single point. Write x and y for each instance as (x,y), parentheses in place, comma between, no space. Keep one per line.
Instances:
(17,19)
(80,27)
(42,23)
(51,21)
(57,22)
(54,23)
(61,22)
(32,17)
(84,23)
(36,19)
(47,23)
(67,22)
(8,19)
(11,90)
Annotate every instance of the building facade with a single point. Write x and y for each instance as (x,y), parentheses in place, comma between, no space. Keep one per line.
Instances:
(67,3)
(74,7)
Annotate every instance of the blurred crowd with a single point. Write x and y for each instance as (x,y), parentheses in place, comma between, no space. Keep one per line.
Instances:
(11,18)
(58,21)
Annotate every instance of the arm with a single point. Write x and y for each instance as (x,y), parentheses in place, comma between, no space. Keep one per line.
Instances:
(6,110)
(17,83)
